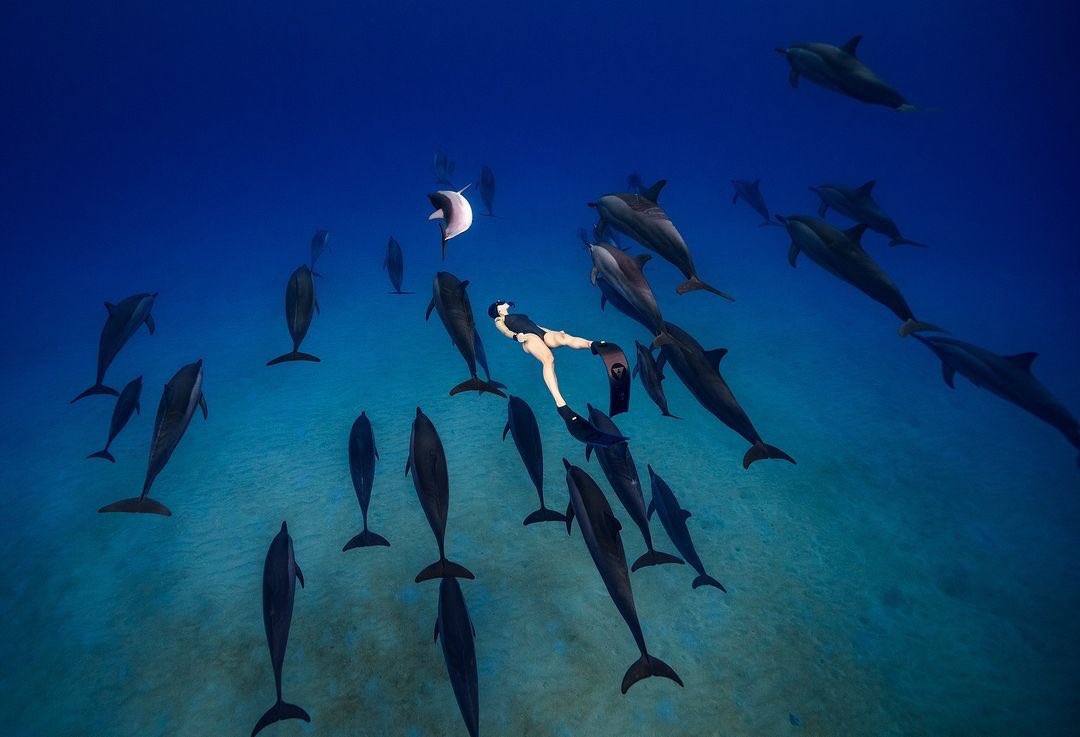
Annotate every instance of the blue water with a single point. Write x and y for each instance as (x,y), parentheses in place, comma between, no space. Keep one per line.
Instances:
(914,574)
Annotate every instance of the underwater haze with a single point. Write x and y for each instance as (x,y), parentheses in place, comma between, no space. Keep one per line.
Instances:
(915,573)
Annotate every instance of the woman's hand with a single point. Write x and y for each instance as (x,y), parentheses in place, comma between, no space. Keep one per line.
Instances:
(520,337)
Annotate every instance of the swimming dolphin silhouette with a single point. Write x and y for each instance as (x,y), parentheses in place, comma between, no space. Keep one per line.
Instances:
(454,629)
(451,302)
(126,405)
(300,306)
(394,264)
(123,321)
(362,457)
(522,426)
(673,518)
(751,195)
(858,204)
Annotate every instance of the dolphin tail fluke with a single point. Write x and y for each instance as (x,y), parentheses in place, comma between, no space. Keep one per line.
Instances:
(444,569)
(398,291)
(293,356)
(645,667)
(476,384)
(544,515)
(693,283)
(760,451)
(137,505)
(279,712)
(906,242)
(911,325)
(103,454)
(655,558)
(96,389)
(366,539)
(705,580)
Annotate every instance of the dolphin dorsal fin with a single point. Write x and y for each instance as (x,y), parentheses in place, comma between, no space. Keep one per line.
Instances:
(109,307)
(430,307)
(652,194)
(715,356)
(685,513)
(613,522)
(1023,360)
(852,44)
(757,183)
(464,284)
(642,260)
(855,233)
(867,188)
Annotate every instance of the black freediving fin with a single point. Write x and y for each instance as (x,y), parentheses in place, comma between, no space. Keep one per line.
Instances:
(618,376)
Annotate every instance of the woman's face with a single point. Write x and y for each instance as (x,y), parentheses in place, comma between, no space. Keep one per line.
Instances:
(503,308)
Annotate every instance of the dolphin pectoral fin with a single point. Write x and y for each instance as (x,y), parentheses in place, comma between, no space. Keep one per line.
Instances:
(735,198)
(430,307)
(1023,360)
(202,406)
(852,44)
(651,509)
(150,324)
(855,233)
(948,373)
(822,209)
(588,453)
(911,325)
(793,254)
(299,573)
(642,259)
(685,513)
(647,666)
(592,279)
(715,356)
(408,465)
(506,430)
(436,215)
(793,78)
(280,712)
(435,637)
(569,517)
(603,301)
(613,521)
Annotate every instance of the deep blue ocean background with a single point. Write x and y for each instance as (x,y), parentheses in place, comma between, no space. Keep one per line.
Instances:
(914,574)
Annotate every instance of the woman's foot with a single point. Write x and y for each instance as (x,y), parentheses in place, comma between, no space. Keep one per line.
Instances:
(585,431)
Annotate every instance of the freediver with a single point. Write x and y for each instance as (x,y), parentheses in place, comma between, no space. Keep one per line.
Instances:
(539,342)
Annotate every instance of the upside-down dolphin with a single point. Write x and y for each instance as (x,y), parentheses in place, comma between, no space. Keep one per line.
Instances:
(451,301)
(858,204)
(362,457)
(455,212)
(126,405)
(300,306)
(123,321)
(522,426)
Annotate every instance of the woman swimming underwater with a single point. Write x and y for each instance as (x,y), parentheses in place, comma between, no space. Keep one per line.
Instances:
(539,342)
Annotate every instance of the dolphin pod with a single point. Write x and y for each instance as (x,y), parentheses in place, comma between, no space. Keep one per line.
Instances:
(427,463)
(394,264)
(454,211)
(300,306)
(126,405)
(600,530)
(179,400)
(858,204)
(1008,377)
(837,68)
(451,301)
(124,321)
(751,195)
(280,574)
(673,518)
(618,466)
(641,217)
(362,457)
(841,254)
(454,629)
(522,426)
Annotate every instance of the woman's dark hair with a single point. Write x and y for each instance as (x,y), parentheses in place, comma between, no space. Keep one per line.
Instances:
(493,311)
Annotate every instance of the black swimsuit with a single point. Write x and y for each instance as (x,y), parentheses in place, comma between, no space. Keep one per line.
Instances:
(518,323)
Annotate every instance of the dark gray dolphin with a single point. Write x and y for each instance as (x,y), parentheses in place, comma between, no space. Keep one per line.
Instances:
(751,194)
(280,574)
(652,378)
(600,530)
(487,189)
(179,400)
(427,462)
(123,321)
(858,204)
(700,372)
(300,306)
(454,210)
(1008,377)
(319,243)
(836,68)
(394,264)
(459,651)
(624,273)
(841,254)
(642,218)
(609,294)
(126,405)
(618,466)
(450,300)
(673,518)
(362,457)
(522,426)
(444,169)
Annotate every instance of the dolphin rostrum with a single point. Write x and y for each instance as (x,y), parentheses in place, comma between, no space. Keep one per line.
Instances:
(300,306)
(673,518)
(126,405)
(179,400)
(123,321)
(522,426)
(362,457)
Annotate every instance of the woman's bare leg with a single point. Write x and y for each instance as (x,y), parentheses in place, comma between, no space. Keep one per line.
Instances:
(559,338)
(538,349)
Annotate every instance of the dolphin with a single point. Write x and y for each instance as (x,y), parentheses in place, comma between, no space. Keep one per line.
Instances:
(836,68)
(618,466)
(444,169)
(624,272)
(362,457)
(300,306)
(427,462)
(179,400)
(673,518)
(700,372)
(751,194)
(841,254)
(126,405)
(123,321)
(319,243)
(450,300)
(651,378)
(858,204)
(455,212)
(487,189)
(522,426)
(1008,377)
(280,574)
(600,530)
(394,264)
(459,651)
(642,218)
(609,294)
